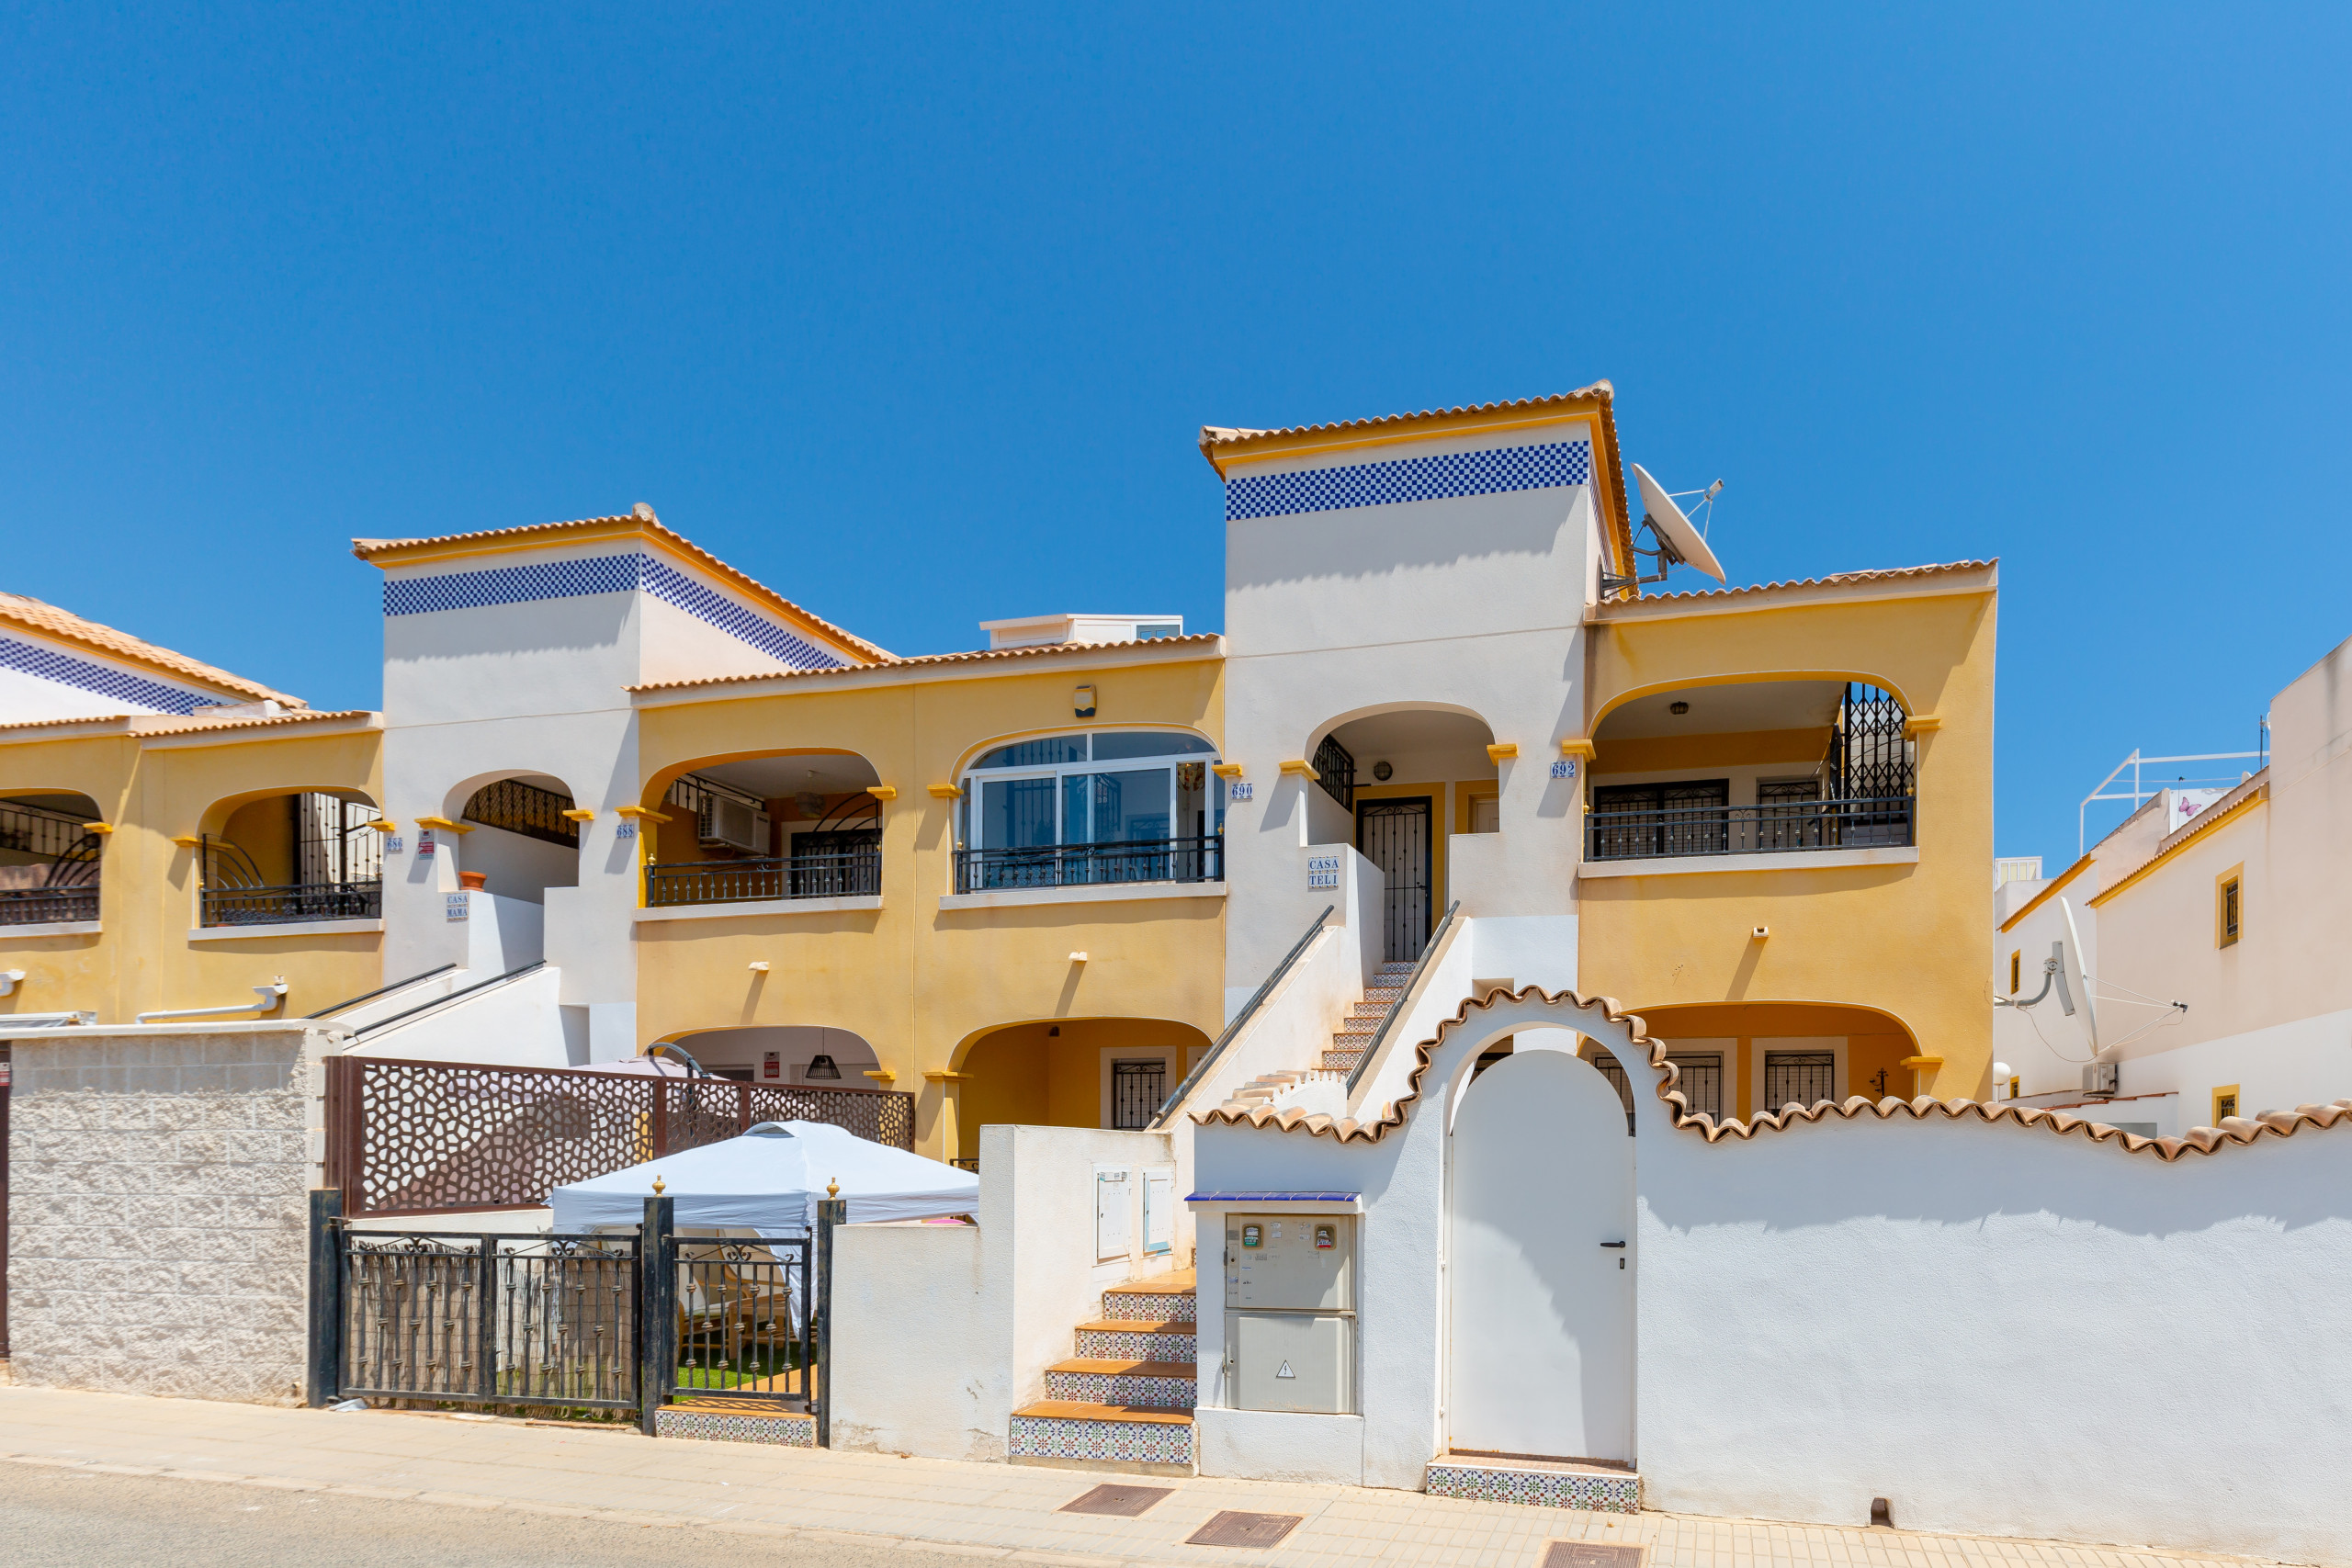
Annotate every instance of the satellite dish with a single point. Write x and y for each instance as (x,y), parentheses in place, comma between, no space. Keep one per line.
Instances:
(2074,986)
(1678,542)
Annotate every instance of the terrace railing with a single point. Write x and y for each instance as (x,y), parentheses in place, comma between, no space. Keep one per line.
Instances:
(39,906)
(855,874)
(1073,865)
(1775,828)
(285,906)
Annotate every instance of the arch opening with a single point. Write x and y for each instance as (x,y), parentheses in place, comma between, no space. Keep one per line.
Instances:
(1091,807)
(1073,1072)
(778,825)
(1397,783)
(813,1056)
(1736,1060)
(49,858)
(518,838)
(290,857)
(1752,767)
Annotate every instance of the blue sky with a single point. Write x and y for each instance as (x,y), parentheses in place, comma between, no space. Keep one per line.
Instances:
(914,313)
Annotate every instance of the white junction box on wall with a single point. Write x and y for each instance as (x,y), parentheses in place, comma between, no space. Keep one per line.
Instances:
(1290,1311)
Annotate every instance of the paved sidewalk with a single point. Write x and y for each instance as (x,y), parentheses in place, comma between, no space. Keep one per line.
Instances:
(935,1506)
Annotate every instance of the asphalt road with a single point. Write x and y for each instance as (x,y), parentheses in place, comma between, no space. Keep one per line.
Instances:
(65,1519)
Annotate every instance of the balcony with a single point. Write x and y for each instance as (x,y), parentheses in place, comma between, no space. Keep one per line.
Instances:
(1092,865)
(57,880)
(294,905)
(1777,827)
(855,873)
(41,905)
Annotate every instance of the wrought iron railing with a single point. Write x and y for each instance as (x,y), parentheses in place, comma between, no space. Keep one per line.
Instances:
(1750,830)
(424,1137)
(854,875)
(1076,866)
(283,906)
(39,906)
(744,1318)
(528,1320)
(528,809)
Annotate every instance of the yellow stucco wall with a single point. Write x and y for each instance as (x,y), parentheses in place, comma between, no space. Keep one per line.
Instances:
(154,789)
(1910,940)
(919,983)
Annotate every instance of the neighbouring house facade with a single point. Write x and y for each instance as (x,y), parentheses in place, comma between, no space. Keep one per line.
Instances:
(2207,923)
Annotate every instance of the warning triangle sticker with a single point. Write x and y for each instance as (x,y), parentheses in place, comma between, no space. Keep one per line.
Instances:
(1285,1372)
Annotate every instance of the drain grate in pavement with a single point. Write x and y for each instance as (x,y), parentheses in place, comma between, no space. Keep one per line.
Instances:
(1230,1528)
(1592,1555)
(1124,1502)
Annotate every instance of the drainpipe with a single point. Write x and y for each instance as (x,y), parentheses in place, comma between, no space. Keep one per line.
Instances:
(271,996)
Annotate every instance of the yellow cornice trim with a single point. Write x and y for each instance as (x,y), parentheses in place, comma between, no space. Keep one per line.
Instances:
(1502,751)
(2195,834)
(2039,899)
(188,841)
(944,1077)
(99,827)
(1923,1060)
(443,824)
(1303,768)
(883,791)
(1225,769)
(385,825)
(1578,747)
(645,811)
(1920,724)
(882,1075)
(945,792)
(581,814)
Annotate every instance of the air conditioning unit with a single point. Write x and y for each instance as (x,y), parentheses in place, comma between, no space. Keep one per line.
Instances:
(2100,1079)
(734,825)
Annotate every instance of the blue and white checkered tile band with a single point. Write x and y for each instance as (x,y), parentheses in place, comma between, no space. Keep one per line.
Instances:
(1409,478)
(604,574)
(67,671)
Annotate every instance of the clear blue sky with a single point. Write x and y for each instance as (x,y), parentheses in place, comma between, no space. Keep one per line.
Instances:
(913,312)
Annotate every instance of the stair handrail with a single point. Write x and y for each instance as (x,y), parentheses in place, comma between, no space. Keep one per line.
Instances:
(381,990)
(446,997)
(1248,1009)
(1412,985)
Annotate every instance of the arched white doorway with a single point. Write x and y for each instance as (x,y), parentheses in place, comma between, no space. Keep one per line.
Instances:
(1541,1269)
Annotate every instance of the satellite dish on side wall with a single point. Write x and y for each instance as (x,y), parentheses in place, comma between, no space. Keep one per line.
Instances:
(2074,984)
(1681,541)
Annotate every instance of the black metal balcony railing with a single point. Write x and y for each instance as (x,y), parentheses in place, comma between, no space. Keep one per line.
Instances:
(287,906)
(1079,865)
(1782,826)
(41,906)
(857,873)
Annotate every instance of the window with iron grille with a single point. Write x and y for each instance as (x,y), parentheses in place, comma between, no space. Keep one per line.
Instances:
(1337,769)
(1614,1071)
(2229,911)
(1799,1078)
(1688,817)
(1137,1091)
(1701,1082)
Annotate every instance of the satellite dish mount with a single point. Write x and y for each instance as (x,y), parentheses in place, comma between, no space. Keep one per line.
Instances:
(1674,541)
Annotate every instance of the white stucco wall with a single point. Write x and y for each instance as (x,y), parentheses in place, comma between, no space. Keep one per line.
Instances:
(907,1317)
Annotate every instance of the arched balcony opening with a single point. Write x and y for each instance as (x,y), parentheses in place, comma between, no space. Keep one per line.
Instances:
(794,825)
(1739,1059)
(1071,1072)
(803,1056)
(522,835)
(1091,808)
(291,858)
(1757,767)
(1397,785)
(49,859)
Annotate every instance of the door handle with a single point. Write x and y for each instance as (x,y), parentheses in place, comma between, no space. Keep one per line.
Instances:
(1612,1244)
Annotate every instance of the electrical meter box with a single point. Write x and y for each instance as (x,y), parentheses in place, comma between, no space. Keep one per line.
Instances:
(1291,1262)
(1290,1311)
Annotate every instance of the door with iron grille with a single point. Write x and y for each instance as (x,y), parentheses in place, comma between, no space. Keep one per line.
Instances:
(1799,1078)
(1395,835)
(1138,1091)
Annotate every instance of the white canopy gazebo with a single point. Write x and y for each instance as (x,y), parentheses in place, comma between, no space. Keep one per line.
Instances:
(769,1180)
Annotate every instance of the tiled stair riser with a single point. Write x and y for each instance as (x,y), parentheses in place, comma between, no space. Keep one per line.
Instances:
(1124,1307)
(1540,1488)
(1114,1388)
(1110,1344)
(715,1426)
(1132,1442)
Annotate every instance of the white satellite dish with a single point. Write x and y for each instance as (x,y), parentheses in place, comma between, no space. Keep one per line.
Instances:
(1678,542)
(2074,986)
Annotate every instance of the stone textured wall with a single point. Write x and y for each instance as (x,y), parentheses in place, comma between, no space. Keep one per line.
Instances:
(158,1209)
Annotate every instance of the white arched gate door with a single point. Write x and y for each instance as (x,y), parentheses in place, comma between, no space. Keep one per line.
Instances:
(1541,1319)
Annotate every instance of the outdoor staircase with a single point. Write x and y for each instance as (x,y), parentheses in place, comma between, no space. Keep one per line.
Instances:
(1348,1042)
(1125,1401)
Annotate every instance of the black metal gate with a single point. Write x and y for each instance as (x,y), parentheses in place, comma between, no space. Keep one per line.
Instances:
(1395,835)
(744,1324)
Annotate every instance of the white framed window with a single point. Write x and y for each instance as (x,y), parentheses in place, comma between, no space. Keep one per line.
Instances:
(1112,805)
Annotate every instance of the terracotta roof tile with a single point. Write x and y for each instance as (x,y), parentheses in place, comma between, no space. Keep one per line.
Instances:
(2197,1140)
(1192,639)
(48,620)
(1835,580)
(368,549)
(190,724)
(1217,436)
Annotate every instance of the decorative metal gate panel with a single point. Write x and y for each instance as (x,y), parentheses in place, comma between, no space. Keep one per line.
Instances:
(1701,1082)
(1799,1078)
(1395,835)
(470,1319)
(743,1321)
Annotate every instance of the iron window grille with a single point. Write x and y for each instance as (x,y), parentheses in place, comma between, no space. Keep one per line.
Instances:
(1799,1078)
(1335,769)
(1137,1091)
(514,806)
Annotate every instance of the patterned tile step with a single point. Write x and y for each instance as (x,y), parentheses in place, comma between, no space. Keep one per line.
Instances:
(1048,1431)
(1547,1486)
(725,1427)
(1139,1341)
(1158,1385)
(1339,1061)
(1164,1298)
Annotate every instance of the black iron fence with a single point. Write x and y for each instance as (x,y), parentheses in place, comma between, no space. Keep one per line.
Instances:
(284,905)
(852,875)
(1068,866)
(1800,825)
(473,1319)
(431,1137)
(743,1320)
